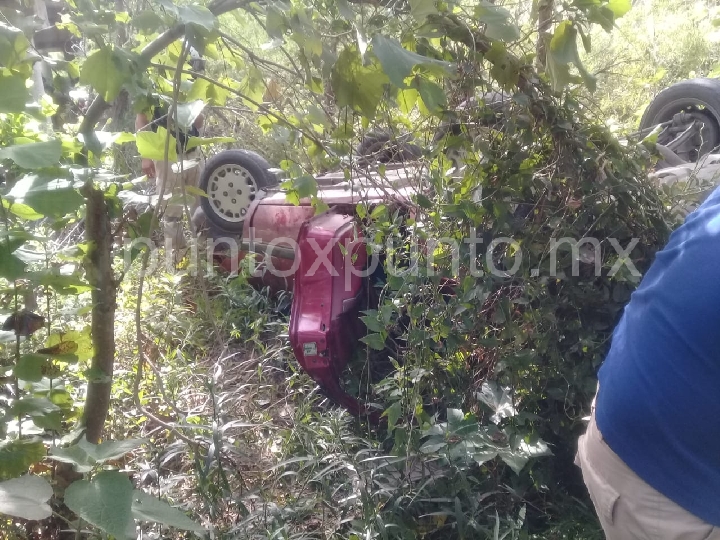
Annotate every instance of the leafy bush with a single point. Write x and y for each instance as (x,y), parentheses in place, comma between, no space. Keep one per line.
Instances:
(490,380)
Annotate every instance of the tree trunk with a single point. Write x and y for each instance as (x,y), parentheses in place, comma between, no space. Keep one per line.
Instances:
(38,87)
(98,267)
(546,9)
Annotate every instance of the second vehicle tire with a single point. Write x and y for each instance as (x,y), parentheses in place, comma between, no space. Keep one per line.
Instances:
(698,97)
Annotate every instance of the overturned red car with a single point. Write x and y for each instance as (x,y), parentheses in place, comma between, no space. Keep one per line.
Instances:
(322,258)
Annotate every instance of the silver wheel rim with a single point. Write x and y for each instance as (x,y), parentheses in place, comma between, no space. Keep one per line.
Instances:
(230,190)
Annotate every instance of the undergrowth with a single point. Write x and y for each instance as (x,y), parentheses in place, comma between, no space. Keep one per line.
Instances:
(243,440)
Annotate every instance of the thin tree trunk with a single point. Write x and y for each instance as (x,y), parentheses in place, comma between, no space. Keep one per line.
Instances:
(38,88)
(546,9)
(100,275)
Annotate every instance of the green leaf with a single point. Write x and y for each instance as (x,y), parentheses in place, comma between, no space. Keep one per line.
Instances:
(17,455)
(586,39)
(484,456)
(34,155)
(48,194)
(407,98)
(563,51)
(305,186)
(123,137)
(199,90)
(148,508)
(558,72)
(374,341)
(52,421)
(371,321)
(103,139)
(77,342)
(105,502)
(515,460)
(398,63)
(109,450)
(63,284)
(84,455)
(23,211)
(433,96)
(420,9)
(603,16)
(209,92)
(498,22)
(393,413)
(14,93)
(563,45)
(423,201)
(75,455)
(380,212)
(198,16)
(187,113)
(433,445)
(33,405)
(151,145)
(274,22)
(361,211)
(13,47)
(147,22)
(589,79)
(505,68)
(26,497)
(455,417)
(356,86)
(30,367)
(310,43)
(169,6)
(11,267)
(300,188)
(253,88)
(194,142)
(499,400)
(619,7)
(106,71)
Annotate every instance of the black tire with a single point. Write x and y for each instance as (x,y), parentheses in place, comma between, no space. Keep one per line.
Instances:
(698,97)
(489,111)
(382,147)
(249,168)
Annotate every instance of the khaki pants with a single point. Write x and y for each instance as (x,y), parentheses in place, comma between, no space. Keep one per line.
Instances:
(628,508)
(174,209)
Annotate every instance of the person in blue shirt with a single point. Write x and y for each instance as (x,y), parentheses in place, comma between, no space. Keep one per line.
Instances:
(650,457)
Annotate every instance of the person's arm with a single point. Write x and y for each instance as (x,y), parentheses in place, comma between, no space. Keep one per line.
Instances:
(199,121)
(148,167)
(141,121)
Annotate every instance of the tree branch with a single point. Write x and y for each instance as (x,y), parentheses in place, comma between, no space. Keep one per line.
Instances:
(262,108)
(98,106)
(254,57)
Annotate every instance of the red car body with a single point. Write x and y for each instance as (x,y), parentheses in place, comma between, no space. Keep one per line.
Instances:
(322,258)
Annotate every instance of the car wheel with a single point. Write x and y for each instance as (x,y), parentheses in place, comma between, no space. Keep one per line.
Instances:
(700,99)
(232,180)
(382,147)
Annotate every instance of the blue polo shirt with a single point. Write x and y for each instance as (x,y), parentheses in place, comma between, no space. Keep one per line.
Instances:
(658,406)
